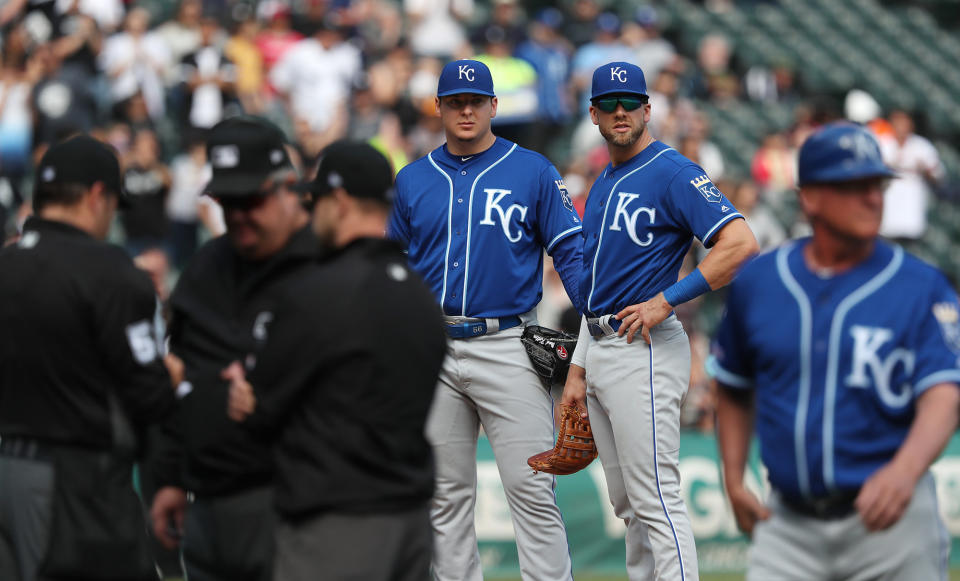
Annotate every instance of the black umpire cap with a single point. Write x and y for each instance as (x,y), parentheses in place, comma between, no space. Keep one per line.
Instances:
(83,160)
(356,167)
(243,152)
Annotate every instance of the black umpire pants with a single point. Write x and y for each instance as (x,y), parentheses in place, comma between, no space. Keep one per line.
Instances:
(372,547)
(230,537)
(26,497)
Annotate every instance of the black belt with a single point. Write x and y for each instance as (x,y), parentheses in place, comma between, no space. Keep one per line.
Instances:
(833,507)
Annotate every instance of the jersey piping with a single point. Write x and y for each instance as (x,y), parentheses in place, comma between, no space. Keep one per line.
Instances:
(603,226)
(466,261)
(561,236)
(833,357)
(446,256)
(803,395)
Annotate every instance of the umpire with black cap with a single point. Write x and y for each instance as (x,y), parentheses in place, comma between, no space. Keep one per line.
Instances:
(81,363)
(221,311)
(354,469)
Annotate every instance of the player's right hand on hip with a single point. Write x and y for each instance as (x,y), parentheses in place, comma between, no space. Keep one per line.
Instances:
(575,389)
(166,514)
(747,509)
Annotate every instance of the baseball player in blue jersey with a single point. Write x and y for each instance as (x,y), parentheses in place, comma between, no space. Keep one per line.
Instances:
(641,217)
(843,351)
(476,215)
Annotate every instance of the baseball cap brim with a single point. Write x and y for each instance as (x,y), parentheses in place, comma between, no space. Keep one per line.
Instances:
(842,174)
(468,90)
(235,185)
(617,92)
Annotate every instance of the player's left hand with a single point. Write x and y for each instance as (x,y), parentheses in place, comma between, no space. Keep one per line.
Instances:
(885,497)
(643,317)
(241,401)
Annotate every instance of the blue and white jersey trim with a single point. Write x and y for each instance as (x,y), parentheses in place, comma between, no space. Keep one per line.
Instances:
(446,256)
(603,227)
(466,266)
(833,358)
(720,223)
(803,395)
(561,236)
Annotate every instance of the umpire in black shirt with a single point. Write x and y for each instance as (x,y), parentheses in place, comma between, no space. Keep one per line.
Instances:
(221,311)
(358,348)
(80,365)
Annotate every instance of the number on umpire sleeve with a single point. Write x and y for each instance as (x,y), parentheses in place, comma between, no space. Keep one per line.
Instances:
(142,341)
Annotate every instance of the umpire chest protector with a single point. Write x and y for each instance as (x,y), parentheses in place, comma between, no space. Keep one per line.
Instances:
(475,225)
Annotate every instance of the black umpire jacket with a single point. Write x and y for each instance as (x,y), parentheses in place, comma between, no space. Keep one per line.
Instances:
(221,310)
(345,382)
(77,321)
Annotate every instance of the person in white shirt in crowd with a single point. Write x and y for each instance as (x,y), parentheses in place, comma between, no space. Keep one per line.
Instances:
(189,175)
(136,61)
(315,78)
(918,167)
(209,77)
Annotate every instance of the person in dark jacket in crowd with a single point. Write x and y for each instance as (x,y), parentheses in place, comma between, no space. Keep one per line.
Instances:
(366,342)
(221,310)
(81,364)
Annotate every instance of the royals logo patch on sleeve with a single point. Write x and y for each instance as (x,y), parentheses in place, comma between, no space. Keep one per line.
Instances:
(709,191)
(948,316)
(564,194)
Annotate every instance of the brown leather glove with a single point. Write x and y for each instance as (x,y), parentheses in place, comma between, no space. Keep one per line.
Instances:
(575,448)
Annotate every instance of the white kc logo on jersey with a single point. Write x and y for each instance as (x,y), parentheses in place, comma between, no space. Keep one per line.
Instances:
(630,218)
(466,72)
(866,342)
(494,196)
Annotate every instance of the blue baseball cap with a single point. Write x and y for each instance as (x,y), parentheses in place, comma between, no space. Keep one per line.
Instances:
(840,152)
(465,76)
(618,77)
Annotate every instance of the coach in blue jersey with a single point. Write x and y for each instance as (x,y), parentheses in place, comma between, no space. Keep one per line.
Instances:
(640,220)
(843,350)
(476,215)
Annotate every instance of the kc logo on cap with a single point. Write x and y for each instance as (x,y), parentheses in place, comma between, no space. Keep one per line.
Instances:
(618,78)
(465,76)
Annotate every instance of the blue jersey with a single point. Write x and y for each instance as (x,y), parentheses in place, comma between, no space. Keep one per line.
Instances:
(836,363)
(475,226)
(640,219)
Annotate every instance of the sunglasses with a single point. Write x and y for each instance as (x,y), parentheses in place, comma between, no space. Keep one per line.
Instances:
(609,104)
(248,202)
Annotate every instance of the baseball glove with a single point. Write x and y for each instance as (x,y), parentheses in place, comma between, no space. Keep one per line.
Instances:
(575,448)
(549,351)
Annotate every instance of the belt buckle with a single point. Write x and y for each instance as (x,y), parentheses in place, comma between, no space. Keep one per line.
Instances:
(595,330)
(467,329)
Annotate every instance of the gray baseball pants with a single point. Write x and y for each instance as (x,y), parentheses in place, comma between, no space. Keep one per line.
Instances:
(634,392)
(794,547)
(488,381)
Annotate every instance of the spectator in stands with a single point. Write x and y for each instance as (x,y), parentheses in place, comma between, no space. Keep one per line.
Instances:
(509,16)
(209,77)
(189,175)
(277,37)
(549,55)
(713,66)
(181,35)
(62,102)
(745,196)
(918,168)
(136,61)
(315,78)
(147,182)
(651,52)
(16,117)
(242,50)
(580,28)
(436,26)
(774,165)
(696,145)
(516,83)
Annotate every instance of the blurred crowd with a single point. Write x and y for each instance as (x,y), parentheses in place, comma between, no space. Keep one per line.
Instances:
(151,78)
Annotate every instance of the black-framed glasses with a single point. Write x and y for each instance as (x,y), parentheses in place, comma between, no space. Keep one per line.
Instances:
(609,104)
